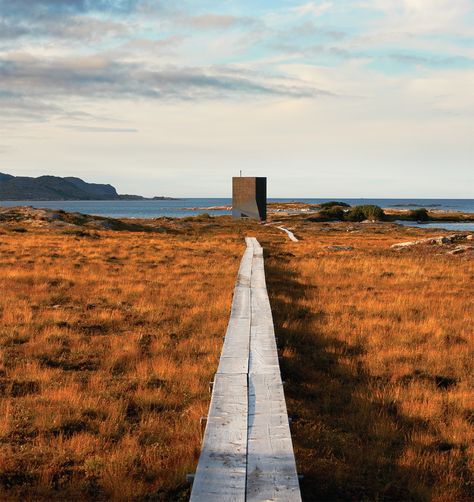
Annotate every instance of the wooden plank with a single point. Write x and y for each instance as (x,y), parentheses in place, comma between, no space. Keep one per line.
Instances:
(263,357)
(233,364)
(241,302)
(222,467)
(245,270)
(290,234)
(221,472)
(271,468)
(237,337)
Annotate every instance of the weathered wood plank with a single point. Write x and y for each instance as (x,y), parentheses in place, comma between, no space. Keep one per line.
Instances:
(290,234)
(222,467)
(241,302)
(271,468)
(221,472)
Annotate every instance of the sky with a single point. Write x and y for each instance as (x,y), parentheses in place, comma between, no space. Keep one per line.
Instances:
(330,98)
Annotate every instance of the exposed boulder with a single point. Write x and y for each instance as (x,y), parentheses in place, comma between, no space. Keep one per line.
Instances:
(460,250)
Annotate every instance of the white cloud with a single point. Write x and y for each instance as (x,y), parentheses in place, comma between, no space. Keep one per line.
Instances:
(312,8)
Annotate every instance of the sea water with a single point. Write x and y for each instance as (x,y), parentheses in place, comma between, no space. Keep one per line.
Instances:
(190,207)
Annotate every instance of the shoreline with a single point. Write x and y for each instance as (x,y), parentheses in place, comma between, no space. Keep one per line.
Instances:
(44,217)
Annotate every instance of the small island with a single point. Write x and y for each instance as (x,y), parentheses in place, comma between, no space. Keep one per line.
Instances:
(55,188)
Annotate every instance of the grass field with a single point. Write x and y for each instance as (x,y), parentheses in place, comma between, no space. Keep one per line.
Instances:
(108,341)
(108,344)
(378,347)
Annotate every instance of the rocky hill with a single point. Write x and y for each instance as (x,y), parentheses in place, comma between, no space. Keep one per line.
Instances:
(56,188)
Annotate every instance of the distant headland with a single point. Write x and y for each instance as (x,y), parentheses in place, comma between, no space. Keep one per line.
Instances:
(51,188)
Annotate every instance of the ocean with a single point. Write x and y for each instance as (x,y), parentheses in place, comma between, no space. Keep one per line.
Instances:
(188,207)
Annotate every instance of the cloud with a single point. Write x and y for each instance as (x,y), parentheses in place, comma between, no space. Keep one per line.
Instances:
(80,28)
(309,28)
(41,8)
(104,78)
(96,129)
(217,21)
(45,89)
(442,61)
(312,8)
(10,31)
(17,109)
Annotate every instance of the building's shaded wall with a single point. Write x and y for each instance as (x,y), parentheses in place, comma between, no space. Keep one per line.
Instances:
(249,198)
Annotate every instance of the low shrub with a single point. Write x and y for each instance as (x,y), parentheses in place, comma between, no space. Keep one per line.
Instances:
(333,203)
(366,212)
(419,214)
(332,213)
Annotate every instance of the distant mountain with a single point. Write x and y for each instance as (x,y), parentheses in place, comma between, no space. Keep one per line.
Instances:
(56,188)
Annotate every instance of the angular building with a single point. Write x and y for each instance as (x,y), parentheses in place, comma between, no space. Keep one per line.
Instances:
(249,198)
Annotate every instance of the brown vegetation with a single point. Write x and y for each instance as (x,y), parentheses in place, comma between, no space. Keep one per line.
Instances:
(108,341)
(378,348)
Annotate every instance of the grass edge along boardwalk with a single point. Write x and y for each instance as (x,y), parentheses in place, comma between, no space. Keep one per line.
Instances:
(247,452)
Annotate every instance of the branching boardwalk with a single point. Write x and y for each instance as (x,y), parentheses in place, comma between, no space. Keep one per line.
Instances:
(290,234)
(247,453)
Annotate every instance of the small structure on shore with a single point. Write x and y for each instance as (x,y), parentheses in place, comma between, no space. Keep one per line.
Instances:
(249,198)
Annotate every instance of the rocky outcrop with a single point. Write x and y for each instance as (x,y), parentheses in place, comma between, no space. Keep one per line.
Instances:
(12,217)
(460,249)
(443,241)
(450,239)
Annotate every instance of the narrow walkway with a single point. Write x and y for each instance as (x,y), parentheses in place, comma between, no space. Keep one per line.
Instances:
(290,234)
(247,453)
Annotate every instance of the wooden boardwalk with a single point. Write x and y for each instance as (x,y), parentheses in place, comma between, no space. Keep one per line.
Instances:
(290,234)
(247,453)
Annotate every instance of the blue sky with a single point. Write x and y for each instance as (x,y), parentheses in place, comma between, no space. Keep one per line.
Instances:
(327,98)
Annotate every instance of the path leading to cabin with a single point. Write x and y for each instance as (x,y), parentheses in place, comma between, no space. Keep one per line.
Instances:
(247,453)
(290,234)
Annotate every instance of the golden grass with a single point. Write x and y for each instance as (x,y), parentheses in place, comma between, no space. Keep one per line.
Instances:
(108,341)
(107,348)
(378,347)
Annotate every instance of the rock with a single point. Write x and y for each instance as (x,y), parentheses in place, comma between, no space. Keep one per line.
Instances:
(457,237)
(404,244)
(440,241)
(339,248)
(460,249)
(470,237)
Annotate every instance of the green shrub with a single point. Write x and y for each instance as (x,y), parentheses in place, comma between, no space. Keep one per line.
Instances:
(367,212)
(333,203)
(332,213)
(419,214)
